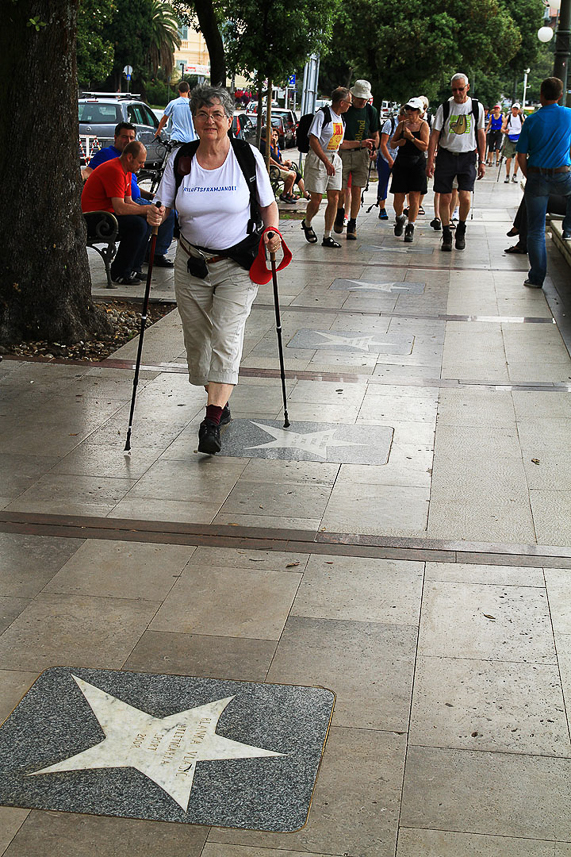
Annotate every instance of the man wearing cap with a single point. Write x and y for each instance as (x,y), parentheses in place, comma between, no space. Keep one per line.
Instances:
(513,123)
(494,133)
(458,132)
(543,153)
(358,147)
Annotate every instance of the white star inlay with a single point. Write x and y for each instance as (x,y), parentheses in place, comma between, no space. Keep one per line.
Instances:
(361,343)
(164,749)
(315,442)
(378,287)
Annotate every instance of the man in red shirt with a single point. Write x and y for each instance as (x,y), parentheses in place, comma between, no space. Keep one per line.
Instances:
(108,188)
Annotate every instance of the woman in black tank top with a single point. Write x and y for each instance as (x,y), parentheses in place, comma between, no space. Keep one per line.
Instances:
(409,170)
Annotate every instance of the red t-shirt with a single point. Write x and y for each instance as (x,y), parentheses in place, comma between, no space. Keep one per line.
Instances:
(108,180)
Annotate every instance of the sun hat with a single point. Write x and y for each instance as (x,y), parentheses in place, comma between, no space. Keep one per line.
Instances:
(361,89)
(415,103)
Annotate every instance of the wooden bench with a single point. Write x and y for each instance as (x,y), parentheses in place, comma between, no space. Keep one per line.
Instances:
(555,223)
(102,231)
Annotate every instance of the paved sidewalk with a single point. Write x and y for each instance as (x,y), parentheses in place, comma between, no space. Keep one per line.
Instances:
(405,544)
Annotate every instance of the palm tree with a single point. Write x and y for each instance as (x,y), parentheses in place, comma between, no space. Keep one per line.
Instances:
(165,38)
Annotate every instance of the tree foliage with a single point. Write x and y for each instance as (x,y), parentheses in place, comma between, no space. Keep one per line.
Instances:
(164,37)
(130,32)
(95,51)
(207,17)
(404,51)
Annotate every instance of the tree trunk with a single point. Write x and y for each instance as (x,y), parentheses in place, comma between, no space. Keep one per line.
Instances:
(45,285)
(209,29)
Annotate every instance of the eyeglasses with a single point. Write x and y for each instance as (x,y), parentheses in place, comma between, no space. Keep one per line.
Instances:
(218,116)
(458,88)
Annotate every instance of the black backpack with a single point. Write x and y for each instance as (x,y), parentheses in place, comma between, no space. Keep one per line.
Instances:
(475,111)
(302,133)
(247,161)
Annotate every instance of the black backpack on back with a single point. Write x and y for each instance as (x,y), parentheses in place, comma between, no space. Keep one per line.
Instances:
(247,161)
(475,111)
(302,134)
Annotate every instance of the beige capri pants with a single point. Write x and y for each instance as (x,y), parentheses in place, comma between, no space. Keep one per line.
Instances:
(214,312)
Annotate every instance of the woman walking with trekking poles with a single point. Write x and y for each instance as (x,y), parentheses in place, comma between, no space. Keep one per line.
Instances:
(222,193)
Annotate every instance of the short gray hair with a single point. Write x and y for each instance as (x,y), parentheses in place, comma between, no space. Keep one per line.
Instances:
(460,76)
(206,96)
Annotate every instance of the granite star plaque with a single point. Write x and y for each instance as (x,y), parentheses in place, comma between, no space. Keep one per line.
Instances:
(391,249)
(308,441)
(169,748)
(389,287)
(337,340)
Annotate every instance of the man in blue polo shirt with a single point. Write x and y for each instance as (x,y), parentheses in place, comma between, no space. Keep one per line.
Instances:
(544,157)
(124,134)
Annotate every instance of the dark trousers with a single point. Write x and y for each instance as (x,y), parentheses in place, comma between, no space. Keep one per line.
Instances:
(132,236)
(555,205)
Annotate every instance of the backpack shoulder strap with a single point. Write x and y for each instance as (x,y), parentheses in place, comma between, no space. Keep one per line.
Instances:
(182,161)
(247,161)
(445,112)
(476,110)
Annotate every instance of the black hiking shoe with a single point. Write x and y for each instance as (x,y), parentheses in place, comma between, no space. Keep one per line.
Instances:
(339,218)
(436,224)
(330,242)
(352,230)
(399,224)
(409,233)
(461,236)
(226,416)
(209,437)
(446,239)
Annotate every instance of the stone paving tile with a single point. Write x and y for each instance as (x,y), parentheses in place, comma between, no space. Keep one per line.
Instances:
(355,803)
(399,510)
(74,630)
(10,609)
(207,656)
(503,575)
(10,822)
(504,794)
(64,834)
(228,602)
(486,621)
(28,562)
(369,667)
(84,495)
(442,843)
(13,685)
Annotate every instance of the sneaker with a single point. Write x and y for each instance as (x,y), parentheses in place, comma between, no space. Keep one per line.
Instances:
(338,225)
(400,221)
(383,214)
(352,230)
(209,437)
(139,275)
(514,179)
(446,240)
(226,416)
(507,180)
(162,262)
(567,234)
(532,285)
(436,224)
(131,280)
(409,233)
(461,236)
(330,242)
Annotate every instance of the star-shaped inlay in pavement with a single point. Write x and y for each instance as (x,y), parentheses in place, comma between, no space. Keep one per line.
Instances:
(315,442)
(361,343)
(378,287)
(164,749)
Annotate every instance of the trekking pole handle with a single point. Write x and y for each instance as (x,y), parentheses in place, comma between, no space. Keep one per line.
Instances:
(271,252)
(155,229)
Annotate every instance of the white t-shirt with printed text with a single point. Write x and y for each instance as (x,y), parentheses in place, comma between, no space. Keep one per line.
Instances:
(459,135)
(214,205)
(329,134)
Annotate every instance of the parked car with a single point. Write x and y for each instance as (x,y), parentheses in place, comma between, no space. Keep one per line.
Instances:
(285,122)
(100,112)
(244,128)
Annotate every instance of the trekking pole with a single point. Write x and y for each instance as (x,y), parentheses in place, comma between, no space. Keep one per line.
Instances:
(154,233)
(279,330)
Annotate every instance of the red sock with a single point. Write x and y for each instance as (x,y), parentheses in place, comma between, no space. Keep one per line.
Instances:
(213,413)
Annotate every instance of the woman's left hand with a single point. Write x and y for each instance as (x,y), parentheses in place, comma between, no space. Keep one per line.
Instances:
(274,243)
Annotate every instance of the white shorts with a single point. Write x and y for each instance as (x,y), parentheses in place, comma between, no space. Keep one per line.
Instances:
(214,312)
(315,173)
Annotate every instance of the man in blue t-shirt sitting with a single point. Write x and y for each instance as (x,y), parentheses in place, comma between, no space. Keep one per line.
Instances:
(124,134)
(545,160)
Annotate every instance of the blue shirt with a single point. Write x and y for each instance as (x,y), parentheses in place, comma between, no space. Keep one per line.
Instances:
(546,137)
(178,111)
(108,154)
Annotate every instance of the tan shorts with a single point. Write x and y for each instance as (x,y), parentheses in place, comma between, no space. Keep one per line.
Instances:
(509,148)
(356,164)
(315,173)
(214,312)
